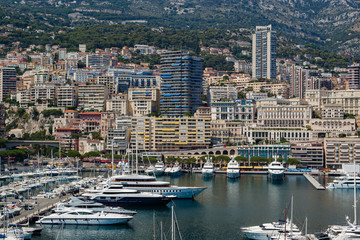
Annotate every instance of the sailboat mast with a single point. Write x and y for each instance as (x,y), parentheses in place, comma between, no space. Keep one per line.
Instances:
(355,220)
(136,151)
(172,224)
(306,223)
(161,231)
(154,226)
(112,157)
(291,217)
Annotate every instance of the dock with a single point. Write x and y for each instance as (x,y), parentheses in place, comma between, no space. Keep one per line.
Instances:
(315,183)
(43,205)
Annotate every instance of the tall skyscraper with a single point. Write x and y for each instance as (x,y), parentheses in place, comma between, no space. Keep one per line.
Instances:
(7,82)
(181,83)
(264,53)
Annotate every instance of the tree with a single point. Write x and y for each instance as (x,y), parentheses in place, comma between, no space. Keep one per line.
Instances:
(150,159)
(293,161)
(283,140)
(241,159)
(73,154)
(222,159)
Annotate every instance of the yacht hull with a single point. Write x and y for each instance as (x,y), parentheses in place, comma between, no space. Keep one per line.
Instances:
(85,221)
(128,201)
(208,174)
(233,175)
(180,193)
(276,176)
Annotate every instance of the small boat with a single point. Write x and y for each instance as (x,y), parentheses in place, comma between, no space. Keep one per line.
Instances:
(276,170)
(159,168)
(85,217)
(175,170)
(208,169)
(167,170)
(233,170)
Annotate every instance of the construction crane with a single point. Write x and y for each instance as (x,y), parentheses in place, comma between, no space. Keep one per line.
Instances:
(349,55)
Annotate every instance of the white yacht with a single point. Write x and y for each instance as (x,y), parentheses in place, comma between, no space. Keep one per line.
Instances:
(117,195)
(159,168)
(150,170)
(344,182)
(85,217)
(175,170)
(167,170)
(233,170)
(77,203)
(150,184)
(266,230)
(208,169)
(276,170)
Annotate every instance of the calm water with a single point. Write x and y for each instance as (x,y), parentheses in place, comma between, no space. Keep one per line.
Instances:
(220,211)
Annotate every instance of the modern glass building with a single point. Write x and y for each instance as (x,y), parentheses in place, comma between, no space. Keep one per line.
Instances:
(267,151)
(181,83)
(264,53)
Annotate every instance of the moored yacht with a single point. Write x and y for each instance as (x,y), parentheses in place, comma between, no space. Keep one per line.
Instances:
(85,217)
(150,170)
(276,170)
(175,170)
(347,181)
(150,184)
(117,195)
(208,169)
(159,168)
(233,170)
(266,230)
(77,203)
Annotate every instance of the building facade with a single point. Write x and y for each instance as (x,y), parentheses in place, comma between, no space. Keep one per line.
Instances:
(181,83)
(264,53)
(7,82)
(92,97)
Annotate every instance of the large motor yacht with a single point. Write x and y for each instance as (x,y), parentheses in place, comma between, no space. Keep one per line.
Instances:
(208,169)
(77,203)
(117,195)
(175,170)
(345,182)
(150,184)
(85,217)
(233,170)
(276,170)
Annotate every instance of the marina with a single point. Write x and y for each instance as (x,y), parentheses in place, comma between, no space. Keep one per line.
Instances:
(226,205)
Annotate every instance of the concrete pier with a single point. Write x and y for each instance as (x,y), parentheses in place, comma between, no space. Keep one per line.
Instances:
(43,205)
(315,183)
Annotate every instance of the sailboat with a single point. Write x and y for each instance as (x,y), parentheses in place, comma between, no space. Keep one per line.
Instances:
(174,227)
(352,229)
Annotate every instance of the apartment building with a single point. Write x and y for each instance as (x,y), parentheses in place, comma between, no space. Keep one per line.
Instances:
(7,82)
(341,150)
(66,96)
(92,97)
(143,101)
(225,93)
(170,133)
(309,153)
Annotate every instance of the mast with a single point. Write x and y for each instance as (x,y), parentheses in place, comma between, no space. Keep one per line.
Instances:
(291,216)
(355,216)
(161,231)
(306,223)
(112,157)
(154,235)
(136,151)
(172,224)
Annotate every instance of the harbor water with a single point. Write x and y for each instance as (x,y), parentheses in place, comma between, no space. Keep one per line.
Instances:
(223,208)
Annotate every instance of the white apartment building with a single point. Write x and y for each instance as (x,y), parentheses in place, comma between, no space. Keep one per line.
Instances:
(66,96)
(217,93)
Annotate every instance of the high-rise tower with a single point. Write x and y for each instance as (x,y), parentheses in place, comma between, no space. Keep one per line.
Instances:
(181,83)
(264,53)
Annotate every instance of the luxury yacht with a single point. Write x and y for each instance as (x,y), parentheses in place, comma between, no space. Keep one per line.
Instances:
(150,170)
(159,168)
(345,182)
(233,170)
(208,169)
(117,195)
(276,170)
(77,203)
(85,217)
(150,184)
